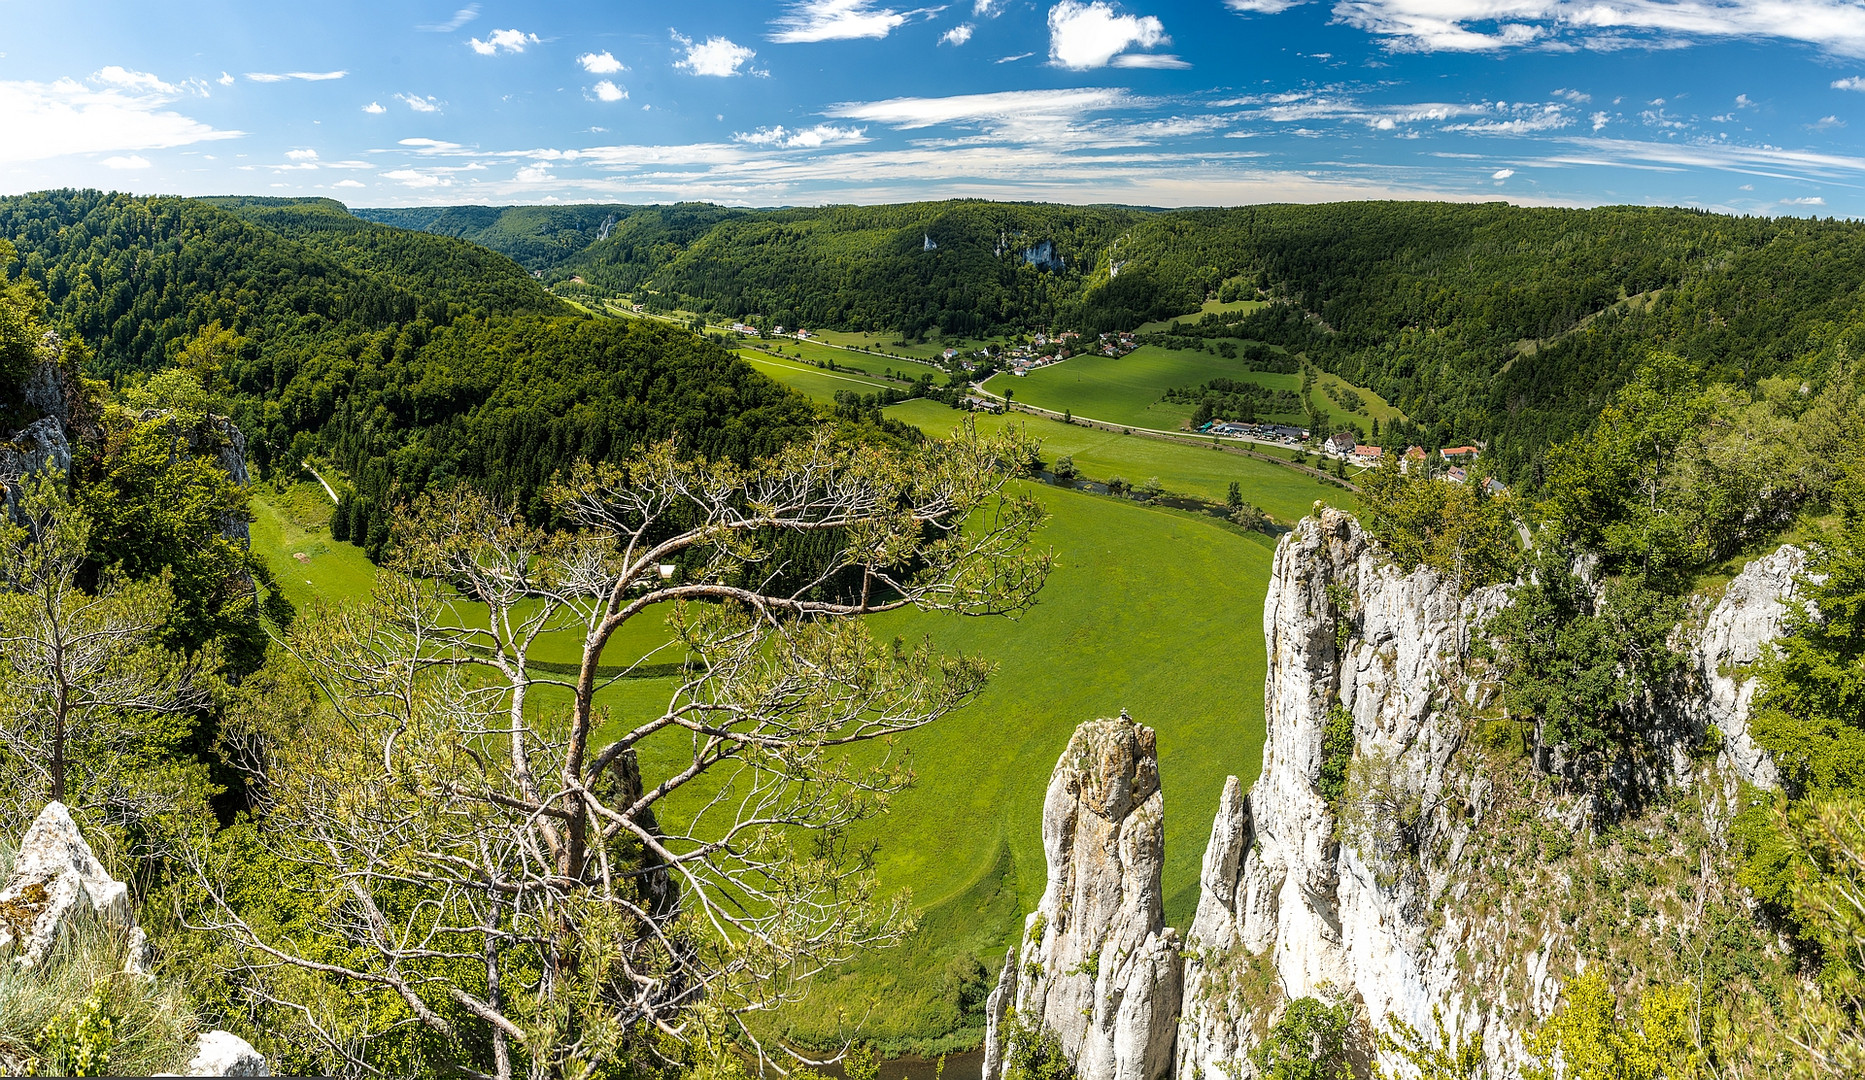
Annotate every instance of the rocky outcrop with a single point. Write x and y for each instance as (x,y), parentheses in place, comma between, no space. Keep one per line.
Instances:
(216,439)
(222,1053)
(1750,614)
(1348,637)
(1098,967)
(55,876)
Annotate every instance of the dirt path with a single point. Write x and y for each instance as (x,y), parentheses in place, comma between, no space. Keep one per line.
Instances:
(328,490)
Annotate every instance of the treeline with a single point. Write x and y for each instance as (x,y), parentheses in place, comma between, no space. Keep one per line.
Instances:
(407,359)
(1236,401)
(1494,323)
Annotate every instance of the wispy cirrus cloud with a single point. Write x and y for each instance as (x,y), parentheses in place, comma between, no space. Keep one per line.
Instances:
(836,20)
(1837,26)
(421,103)
(460,18)
(67,117)
(291,76)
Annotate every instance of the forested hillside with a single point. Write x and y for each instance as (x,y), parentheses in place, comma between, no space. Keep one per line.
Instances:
(1498,323)
(405,357)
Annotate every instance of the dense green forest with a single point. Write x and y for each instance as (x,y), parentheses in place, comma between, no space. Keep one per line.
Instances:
(1491,322)
(403,357)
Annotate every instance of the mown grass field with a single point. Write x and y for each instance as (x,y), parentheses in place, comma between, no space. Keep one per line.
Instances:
(1127,389)
(1183,469)
(813,382)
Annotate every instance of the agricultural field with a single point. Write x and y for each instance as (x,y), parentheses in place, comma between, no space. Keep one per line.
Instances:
(810,352)
(1181,468)
(1127,389)
(811,381)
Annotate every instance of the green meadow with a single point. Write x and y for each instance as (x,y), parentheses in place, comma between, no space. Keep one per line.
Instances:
(1127,389)
(813,382)
(1182,468)
(1135,591)
(1210,307)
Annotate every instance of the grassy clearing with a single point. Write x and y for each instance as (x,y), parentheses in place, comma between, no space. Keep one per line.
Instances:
(291,531)
(1127,389)
(1375,407)
(1210,306)
(889,342)
(1182,469)
(814,383)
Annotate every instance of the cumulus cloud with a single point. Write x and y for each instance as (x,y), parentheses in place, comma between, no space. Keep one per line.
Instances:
(126,161)
(225,79)
(835,20)
(601,63)
(807,138)
(511,41)
(460,18)
(301,76)
(987,9)
(1600,120)
(958,35)
(49,120)
(348,184)
(608,91)
(1091,35)
(533,174)
(1855,82)
(1502,174)
(301,155)
(374,108)
(716,56)
(419,103)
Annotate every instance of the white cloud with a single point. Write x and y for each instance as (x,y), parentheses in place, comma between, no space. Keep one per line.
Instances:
(414,178)
(715,56)
(431,146)
(348,184)
(601,63)
(1149,60)
(1490,25)
(608,91)
(1855,82)
(835,20)
(374,108)
(1008,105)
(285,76)
(49,120)
(1600,120)
(134,80)
(1014,59)
(987,9)
(225,79)
(301,155)
(1502,174)
(460,18)
(502,41)
(130,161)
(1261,7)
(427,104)
(958,35)
(808,138)
(533,174)
(1090,35)
(1809,200)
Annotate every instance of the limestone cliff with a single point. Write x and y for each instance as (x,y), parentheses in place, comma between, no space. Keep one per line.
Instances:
(1098,967)
(1409,890)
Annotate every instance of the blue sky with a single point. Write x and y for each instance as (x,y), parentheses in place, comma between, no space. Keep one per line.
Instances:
(1751,106)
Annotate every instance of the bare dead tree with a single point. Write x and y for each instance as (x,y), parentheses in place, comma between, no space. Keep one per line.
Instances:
(539,882)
